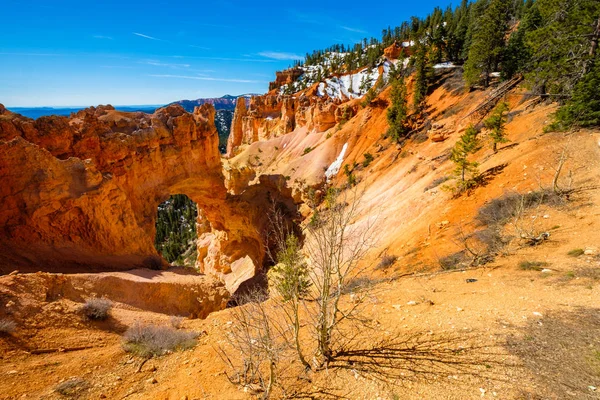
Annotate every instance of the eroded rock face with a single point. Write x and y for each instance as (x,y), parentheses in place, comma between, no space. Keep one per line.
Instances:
(237,132)
(393,51)
(270,116)
(285,77)
(81,193)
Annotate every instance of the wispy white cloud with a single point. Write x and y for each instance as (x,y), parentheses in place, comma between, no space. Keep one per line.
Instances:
(160,64)
(350,29)
(323,20)
(199,47)
(117,66)
(280,56)
(32,54)
(204,78)
(103,37)
(264,60)
(145,36)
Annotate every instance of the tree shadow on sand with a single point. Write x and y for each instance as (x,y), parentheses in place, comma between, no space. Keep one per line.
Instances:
(561,351)
(406,359)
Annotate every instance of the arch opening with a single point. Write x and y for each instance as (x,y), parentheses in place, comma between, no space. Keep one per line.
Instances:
(176,230)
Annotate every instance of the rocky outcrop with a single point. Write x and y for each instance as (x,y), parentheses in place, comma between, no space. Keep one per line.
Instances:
(236,134)
(81,194)
(393,51)
(285,77)
(262,120)
(173,292)
(288,114)
(270,116)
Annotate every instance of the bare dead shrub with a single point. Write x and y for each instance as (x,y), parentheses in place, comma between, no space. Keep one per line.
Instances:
(453,261)
(436,182)
(532,265)
(176,321)
(335,247)
(307,284)
(360,284)
(503,209)
(96,309)
(420,137)
(386,261)
(7,326)
(72,387)
(289,276)
(153,340)
(509,217)
(576,252)
(492,239)
(258,345)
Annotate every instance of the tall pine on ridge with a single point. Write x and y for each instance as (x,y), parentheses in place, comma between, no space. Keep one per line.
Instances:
(487,44)
(397,113)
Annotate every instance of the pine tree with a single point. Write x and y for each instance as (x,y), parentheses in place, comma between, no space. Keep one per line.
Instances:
(563,44)
(397,113)
(467,144)
(496,124)
(457,35)
(583,109)
(488,43)
(475,14)
(421,78)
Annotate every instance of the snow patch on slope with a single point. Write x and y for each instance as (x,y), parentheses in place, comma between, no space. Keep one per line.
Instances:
(335,166)
(444,65)
(343,87)
(353,86)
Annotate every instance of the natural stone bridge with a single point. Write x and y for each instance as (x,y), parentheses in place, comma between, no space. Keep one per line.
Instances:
(80,194)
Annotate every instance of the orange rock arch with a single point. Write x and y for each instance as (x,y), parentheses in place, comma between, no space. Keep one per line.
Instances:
(81,193)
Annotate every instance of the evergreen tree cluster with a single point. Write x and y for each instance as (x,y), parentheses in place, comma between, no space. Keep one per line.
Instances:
(176,229)
(552,43)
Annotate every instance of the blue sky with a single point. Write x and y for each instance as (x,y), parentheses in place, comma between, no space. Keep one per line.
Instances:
(74,53)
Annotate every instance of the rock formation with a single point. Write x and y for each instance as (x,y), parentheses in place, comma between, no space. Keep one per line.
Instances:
(81,193)
(285,77)
(236,134)
(272,115)
(393,51)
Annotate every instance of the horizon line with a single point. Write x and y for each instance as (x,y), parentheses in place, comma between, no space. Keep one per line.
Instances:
(124,105)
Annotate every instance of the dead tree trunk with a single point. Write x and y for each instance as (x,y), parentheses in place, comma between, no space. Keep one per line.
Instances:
(595,39)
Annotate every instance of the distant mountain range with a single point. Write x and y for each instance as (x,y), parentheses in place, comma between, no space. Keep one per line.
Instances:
(36,112)
(226,102)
